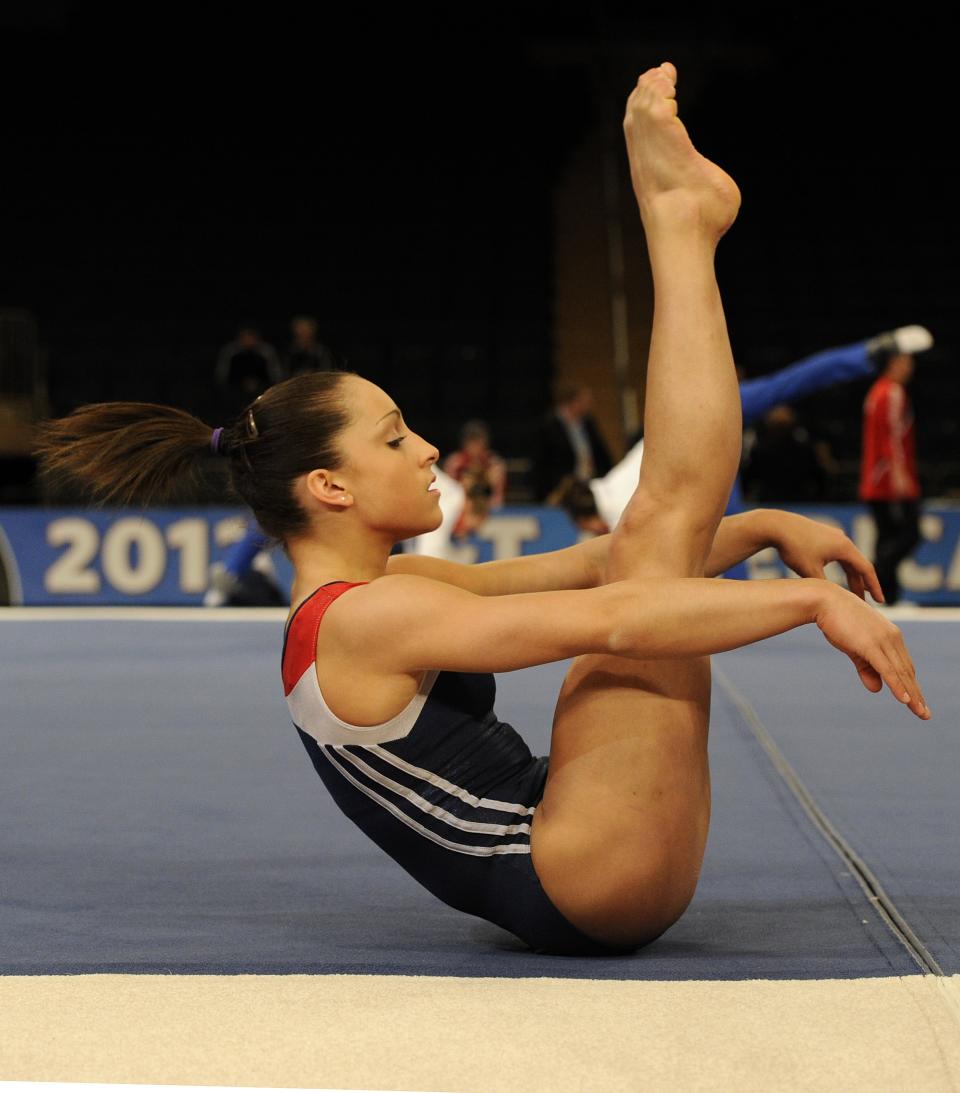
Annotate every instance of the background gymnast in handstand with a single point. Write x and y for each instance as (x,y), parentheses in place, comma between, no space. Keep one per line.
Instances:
(388,658)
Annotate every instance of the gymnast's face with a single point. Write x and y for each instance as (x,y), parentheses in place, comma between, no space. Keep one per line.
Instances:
(388,468)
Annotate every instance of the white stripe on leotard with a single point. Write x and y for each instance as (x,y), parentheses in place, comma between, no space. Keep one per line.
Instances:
(433,810)
(460,848)
(310,712)
(449,787)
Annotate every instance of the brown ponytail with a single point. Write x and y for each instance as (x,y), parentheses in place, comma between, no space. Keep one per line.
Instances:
(130,452)
(124,452)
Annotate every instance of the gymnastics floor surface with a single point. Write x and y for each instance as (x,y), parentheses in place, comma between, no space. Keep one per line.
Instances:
(168,850)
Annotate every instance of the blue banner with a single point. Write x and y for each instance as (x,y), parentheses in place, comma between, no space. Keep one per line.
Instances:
(930,576)
(113,556)
(163,555)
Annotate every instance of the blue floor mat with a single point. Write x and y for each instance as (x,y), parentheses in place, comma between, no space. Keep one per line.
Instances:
(159,814)
(887,780)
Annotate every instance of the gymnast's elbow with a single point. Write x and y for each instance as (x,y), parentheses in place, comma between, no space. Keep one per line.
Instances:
(620,641)
(622,628)
(637,628)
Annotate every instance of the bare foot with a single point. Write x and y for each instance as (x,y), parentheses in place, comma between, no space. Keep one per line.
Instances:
(670,177)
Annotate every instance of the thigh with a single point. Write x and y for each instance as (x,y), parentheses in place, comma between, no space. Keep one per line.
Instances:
(619,836)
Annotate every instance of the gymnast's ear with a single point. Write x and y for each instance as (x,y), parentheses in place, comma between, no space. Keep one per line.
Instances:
(328,488)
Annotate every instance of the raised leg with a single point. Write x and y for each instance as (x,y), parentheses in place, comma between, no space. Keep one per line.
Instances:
(618,839)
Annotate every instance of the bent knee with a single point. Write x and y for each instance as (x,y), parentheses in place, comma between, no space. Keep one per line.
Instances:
(616,897)
(637,909)
(659,539)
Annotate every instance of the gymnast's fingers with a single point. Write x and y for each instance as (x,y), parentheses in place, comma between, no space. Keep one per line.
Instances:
(855,583)
(905,690)
(860,573)
(897,652)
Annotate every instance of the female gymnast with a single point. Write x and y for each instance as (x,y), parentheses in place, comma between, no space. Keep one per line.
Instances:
(388,659)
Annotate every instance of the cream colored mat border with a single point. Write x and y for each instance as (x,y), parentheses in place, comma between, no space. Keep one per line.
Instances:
(482,1035)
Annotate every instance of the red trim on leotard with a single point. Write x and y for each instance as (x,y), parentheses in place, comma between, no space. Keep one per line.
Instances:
(300,636)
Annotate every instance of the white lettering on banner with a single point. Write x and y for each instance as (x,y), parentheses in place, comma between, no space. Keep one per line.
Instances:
(69,573)
(230,530)
(765,565)
(192,538)
(73,571)
(864,535)
(508,534)
(953,573)
(923,578)
(115,555)
(10,570)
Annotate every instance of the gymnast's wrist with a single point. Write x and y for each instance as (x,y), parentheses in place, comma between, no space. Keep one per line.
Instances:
(753,531)
(768,527)
(819,594)
(595,552)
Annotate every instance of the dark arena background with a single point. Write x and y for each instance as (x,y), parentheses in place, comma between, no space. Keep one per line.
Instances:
(429,185)
(443,192)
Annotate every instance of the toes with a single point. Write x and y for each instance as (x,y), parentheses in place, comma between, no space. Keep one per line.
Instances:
(654,86)
(664,89)
(665,108)
(655,93)
(667,68)
(666,71)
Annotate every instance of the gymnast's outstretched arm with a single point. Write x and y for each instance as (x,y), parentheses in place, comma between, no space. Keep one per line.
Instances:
(581,565)
(402,623)
(805,545)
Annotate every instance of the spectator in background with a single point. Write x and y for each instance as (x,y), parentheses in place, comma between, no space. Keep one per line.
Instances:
(597,508)
(784,464)
(307,353)
(889,482)
(569,443)
(246,367)
(481,473)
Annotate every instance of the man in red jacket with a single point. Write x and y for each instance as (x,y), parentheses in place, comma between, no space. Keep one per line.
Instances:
(888,470)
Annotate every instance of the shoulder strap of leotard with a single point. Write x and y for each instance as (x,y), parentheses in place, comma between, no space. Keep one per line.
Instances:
(300,633)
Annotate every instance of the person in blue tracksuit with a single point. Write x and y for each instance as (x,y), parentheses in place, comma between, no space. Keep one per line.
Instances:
(840,365)
(597,506)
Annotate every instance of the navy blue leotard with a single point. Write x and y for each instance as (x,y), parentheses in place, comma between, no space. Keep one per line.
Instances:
(445,788)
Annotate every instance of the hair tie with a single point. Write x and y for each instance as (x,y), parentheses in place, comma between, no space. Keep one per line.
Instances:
(215,441)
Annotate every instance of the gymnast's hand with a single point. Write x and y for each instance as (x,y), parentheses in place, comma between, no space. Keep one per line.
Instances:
(873,643)
(806,546)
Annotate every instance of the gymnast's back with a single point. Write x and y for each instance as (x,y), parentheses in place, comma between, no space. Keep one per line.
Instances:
(444,787)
